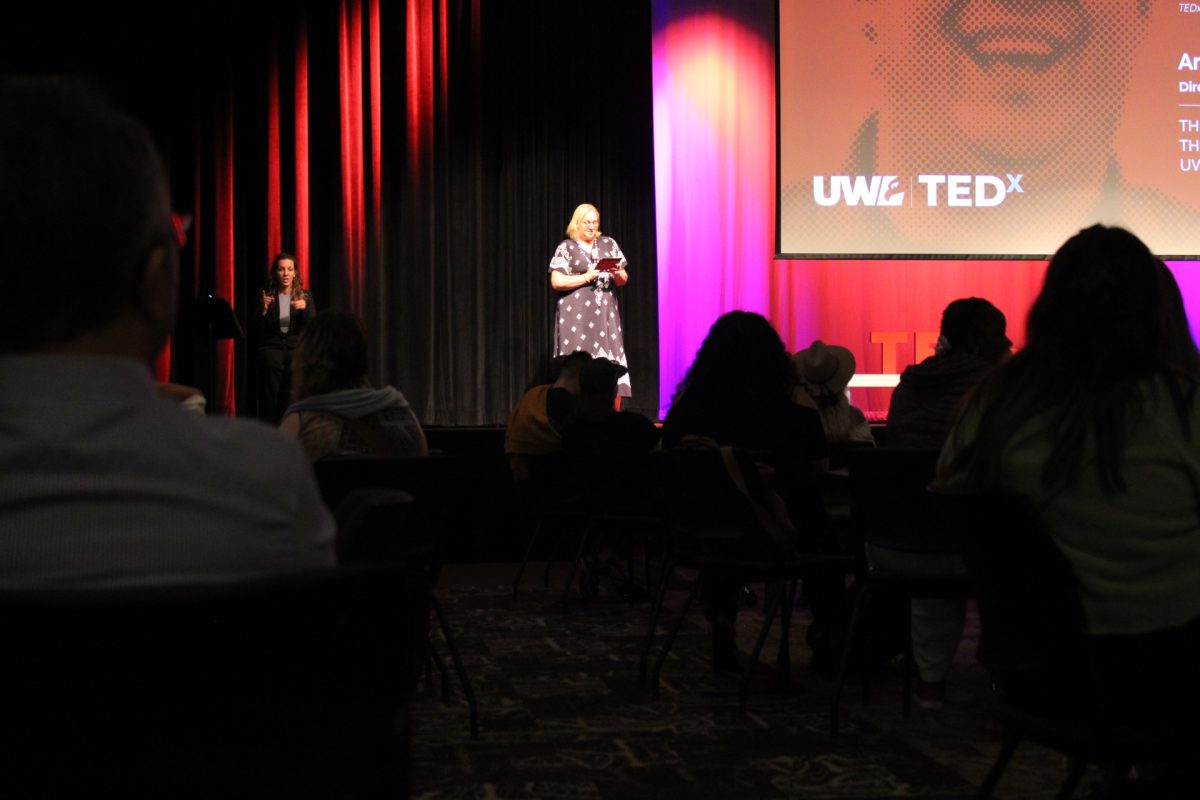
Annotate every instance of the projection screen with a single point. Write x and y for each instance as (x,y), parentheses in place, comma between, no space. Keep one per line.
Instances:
(985,128)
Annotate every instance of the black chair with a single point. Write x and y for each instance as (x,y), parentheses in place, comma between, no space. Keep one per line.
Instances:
(1049,675)
(398,509)
(431,480)
(622,515)
(551,502)
(294,685)
(713,527)
(901,532)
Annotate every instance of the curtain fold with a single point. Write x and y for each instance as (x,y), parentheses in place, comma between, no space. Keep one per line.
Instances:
(422,161)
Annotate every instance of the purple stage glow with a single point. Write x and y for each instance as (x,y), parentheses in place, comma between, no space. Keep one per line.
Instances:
(715,173)
(714,148)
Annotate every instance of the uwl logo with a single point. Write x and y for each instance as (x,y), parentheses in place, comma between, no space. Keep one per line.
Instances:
(860,190)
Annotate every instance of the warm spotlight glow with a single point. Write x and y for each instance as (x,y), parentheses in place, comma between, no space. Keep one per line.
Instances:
(714,179)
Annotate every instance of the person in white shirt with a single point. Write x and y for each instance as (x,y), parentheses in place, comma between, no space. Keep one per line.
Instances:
(103,482)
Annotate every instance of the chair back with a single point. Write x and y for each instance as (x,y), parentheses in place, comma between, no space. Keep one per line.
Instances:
(1032,622)
(553,486)
(839,450)
(291,685)
(378,526)
(434,483)
(705,510)
(889,499)
(429,479)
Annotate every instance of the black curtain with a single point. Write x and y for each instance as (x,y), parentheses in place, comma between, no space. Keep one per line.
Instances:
(549,106)
(541,106)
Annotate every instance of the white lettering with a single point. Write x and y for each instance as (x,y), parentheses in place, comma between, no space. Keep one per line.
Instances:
(932,182)
(982,183)
(983,191)
(859,190)
(958,190)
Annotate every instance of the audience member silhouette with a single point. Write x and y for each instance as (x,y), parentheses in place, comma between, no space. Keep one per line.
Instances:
(335,411)
(535,427)
(739,392)
(1096,421)
(926,402)
(102,481)
(608,451)
(597,437)
(825,371)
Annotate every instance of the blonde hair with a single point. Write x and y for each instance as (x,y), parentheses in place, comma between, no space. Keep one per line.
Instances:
(580,211)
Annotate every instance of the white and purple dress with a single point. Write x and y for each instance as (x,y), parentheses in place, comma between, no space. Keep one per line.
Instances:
(588,318)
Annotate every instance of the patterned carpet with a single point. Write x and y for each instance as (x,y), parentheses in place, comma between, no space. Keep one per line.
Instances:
(562,714)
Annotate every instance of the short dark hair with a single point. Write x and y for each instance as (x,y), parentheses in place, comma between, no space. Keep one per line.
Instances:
(83,200)
(973,325)
(599,377)
(572,361)
(331,355)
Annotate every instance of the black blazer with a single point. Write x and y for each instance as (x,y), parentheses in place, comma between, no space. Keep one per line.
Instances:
(266,327)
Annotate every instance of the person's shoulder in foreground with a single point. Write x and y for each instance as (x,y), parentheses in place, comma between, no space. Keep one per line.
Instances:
(102,482)
(106,483)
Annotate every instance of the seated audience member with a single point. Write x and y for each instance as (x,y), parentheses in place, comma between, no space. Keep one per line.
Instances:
(1096,420)
(596,434)
(926,402)
(825,372)
(739,392)
(972,340)
(609,451)
(103,482)
(535,427)
(335,411)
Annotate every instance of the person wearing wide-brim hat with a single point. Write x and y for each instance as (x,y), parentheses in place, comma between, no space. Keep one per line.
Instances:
(825,371)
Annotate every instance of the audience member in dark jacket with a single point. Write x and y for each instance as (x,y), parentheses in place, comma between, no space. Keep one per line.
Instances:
(926,403)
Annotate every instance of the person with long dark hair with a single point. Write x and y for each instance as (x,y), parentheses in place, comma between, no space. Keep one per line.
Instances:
(285,307)
(1095,420)
(741,391)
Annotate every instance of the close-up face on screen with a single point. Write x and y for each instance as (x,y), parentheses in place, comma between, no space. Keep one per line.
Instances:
(980,127)
(992,81)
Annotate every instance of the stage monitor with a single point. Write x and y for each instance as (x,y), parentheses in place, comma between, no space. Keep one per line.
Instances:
(985,128)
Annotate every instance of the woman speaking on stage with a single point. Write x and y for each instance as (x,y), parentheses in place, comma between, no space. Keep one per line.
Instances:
(286,306)
(586,267)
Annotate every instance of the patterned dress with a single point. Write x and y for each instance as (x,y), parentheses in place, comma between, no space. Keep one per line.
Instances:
(588,318)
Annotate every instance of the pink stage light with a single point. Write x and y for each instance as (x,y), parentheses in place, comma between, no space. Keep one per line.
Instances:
(714,143)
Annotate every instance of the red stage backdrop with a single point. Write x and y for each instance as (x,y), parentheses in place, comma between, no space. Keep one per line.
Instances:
(715,164)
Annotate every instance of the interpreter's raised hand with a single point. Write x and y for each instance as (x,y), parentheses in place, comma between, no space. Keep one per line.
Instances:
(299,303)
(266,301)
